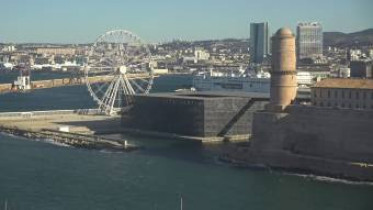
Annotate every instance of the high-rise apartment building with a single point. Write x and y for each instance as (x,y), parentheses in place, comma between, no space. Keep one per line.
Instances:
(309,40)
(259,42)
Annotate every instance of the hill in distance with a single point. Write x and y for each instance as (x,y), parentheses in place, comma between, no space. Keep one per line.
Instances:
(360,38)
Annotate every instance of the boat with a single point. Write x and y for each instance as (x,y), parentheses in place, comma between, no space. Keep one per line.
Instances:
(237,83)
(249,83)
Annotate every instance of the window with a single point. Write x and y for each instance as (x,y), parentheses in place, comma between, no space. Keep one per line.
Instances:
(349,94)
(328,104)
(336,94)
(343,105)
(357,95)
(343,94)
(321,104)
(328,93)
(314,94)
(364,95)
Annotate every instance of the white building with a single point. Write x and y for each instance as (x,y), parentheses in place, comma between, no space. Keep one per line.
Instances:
(23,83)
(201,54)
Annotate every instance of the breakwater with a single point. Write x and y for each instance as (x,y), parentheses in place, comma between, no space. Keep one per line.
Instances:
(70,81)
(72,139)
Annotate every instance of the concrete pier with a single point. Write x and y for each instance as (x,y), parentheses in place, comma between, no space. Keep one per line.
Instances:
(78,128)
(52,83)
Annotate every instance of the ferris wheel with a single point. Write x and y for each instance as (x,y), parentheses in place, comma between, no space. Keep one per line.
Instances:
(118,68)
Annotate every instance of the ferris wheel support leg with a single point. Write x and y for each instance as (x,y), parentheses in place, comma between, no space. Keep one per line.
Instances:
(129,86)
(113,96)
(127,91)
(105,98)
(137,85)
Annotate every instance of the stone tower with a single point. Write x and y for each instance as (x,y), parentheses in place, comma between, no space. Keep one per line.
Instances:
(283,73)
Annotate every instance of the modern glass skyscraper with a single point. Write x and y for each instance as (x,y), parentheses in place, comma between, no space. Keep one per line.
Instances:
(309,40)
(259,42)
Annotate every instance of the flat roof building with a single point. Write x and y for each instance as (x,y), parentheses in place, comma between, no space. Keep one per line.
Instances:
(343,93)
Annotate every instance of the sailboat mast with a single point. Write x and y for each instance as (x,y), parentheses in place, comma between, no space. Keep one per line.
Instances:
(181,202)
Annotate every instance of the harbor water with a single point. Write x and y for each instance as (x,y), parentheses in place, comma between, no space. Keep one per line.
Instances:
(39,175)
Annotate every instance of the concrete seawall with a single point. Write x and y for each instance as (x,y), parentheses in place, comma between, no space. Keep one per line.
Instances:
(72,139)
(327,141)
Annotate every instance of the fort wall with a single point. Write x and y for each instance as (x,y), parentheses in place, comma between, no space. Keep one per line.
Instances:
(320,139)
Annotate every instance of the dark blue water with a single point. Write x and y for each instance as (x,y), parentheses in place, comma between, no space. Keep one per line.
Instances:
(74,97)
(37,175)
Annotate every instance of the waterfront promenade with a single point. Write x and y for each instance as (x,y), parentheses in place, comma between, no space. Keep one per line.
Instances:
(84,121)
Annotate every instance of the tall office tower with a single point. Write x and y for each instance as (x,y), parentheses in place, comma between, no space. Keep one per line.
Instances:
(259,42)
(309,40)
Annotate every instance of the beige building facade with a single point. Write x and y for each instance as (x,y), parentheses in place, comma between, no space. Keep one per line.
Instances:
(343,93)
(56,51)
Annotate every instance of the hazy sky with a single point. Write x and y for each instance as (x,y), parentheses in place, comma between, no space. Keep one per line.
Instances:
(77,21)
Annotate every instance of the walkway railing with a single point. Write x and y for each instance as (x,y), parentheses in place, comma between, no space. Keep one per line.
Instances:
(29,114)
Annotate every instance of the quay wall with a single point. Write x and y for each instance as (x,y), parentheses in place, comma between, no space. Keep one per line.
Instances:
(32,114)
(6,87)
(315,137)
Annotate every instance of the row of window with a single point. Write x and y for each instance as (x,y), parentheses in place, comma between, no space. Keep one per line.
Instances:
(183,102)
(344,94)
(342,105)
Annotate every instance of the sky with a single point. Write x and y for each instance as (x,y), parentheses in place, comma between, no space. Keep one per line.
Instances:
(82,21)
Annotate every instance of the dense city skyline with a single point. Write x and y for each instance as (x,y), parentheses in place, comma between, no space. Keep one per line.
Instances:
(82,21)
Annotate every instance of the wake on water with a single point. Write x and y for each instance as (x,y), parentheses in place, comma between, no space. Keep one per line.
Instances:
(328,179)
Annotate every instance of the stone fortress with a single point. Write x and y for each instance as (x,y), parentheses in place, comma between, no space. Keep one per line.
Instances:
(332,136)
(330,133)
